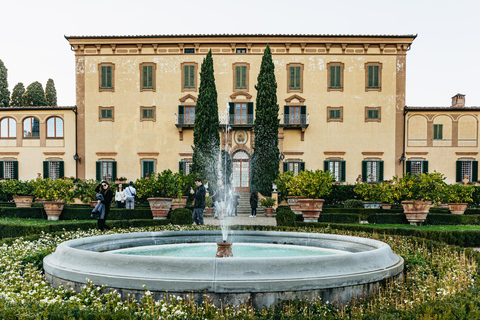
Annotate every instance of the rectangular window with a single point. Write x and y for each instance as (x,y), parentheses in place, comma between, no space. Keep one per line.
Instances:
(189,114)
(335,168)
(106,76)
(189,76)
(295,76)
(54,169)
(335,77)
(240,77)
(189,50)
(148,76)
(107,170)
(105,114)
(416,166)
(437,131)
(372,171)
(373,76)
(241,50)
(148,167)
(240,113)
(372,114)
(294,117)
(335,114)
(294,166)
(147,114)
(466,169)
(9,169)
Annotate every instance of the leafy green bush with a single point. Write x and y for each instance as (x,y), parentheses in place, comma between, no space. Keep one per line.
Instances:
(339,194)
(267,202)
(285,217)
(181,216)
(339,218)
(353,203)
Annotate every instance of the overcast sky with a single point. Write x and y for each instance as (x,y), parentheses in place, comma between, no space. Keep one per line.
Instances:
(443,60)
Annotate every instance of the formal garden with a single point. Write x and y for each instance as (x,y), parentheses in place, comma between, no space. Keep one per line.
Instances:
(439,280)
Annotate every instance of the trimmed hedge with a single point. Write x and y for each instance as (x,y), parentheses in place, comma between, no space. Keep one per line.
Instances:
(285,217)
(181,216)
(10,230)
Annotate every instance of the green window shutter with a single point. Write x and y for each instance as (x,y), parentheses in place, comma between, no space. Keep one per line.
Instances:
(438,131)
(295,78)
(325,165)
(373,76)
(474,171)
(458,173)
(301,166)
(303,114)
(286,114)
(343,171)
(249,112)
(109,77)
(147,81)
(46,171)
(106,76)
(2,173)
(181,167)
(231,112)
(114,170)
(61,169)
(98,170)
(335,76)
(380,171)
(15,170)
(364,171)
(240,77)
(285,166)
(189,76)
(425,167)
(408,166)
(181,114)
(244,77)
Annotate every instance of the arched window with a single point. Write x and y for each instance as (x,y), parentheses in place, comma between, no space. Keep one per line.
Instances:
(8,128)
(31,128)
(55,127)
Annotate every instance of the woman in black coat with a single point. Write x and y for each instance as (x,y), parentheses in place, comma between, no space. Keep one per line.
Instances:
(104,189)
(254,203)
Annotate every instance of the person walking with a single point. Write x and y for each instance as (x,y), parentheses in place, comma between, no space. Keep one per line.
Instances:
(130,192)
(218,202)
(199,204)
(120,196)
(254,203)
(104,190)
(235,198)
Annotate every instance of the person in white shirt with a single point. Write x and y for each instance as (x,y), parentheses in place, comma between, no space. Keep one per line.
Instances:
(120,196)
(131,192)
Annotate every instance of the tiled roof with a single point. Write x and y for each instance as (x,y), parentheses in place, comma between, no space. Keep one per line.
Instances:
(38,108)
(243,35)
(449,108)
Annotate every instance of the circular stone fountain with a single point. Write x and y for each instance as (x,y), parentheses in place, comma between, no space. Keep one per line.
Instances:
(355,267)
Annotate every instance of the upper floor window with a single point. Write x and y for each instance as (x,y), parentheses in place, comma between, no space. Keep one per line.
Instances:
(240,77)
(106,114)
(189,76)
(372,114)
(295,77)
(8,128)
(31,128)
(147,76)
(107,77)
(335,76)
(147,114)
(241,50)
(186,114)
(373,76)
(295,115)
(334,114)
(438,132)
(189,50)
(55,127)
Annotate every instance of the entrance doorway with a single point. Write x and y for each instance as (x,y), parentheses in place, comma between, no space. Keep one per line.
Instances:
(241,171)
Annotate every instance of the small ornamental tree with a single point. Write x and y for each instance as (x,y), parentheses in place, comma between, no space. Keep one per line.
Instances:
(18,95)
(51,93)
(35,96)
(206,136)
(4,92)
(265,169)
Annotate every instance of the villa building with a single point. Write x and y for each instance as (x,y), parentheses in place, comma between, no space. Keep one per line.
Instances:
(341,97)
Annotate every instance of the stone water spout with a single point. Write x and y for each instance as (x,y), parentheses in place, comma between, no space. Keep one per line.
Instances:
(224,249)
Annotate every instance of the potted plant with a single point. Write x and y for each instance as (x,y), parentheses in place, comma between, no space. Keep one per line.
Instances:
(371,193)
(209,209)
(159,190)
(267,204)
(20,191)
(419,192)
(85,191)
(312,185)
(458,197)
(55,193)
(285,182)
(120,180)
(187,182)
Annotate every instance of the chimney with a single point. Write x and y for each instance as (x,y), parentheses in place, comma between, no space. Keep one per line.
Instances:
(458,101)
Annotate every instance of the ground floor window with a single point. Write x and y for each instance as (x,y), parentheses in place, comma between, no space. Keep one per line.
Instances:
(106,170)
(53,169)
(293,165)
(148,168)
(10,169)
(416,166)
(337,169)
(372,171)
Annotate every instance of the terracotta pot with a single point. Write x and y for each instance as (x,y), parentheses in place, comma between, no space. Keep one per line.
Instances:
(371,205)
(310,209)
(176,203)
(416,211)
(160,207)
(23,201)
(268,211)
(457,208)
(93,203)
(386,206)
(53,209)
(208,211)
(293,204)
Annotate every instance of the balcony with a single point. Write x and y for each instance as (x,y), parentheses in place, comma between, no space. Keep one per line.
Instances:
(184,121)
(291,121)
(240,121)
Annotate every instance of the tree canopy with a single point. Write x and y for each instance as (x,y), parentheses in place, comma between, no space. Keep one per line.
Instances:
(35,96)
(4,92)
(18,95)
(51,93)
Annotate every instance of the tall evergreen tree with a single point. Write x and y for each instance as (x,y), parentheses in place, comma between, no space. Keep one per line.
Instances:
(265,166)
(35,96)
(206,136)
(18,95)
(4,92)
(51,93)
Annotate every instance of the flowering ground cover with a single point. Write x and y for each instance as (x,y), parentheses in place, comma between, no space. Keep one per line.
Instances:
(434,275)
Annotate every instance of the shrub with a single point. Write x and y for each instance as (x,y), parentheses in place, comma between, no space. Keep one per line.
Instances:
(340,194)
(181,216)
(353,203)
(286,217)
(424,187)
(162,185)
(267,202)
(12,187)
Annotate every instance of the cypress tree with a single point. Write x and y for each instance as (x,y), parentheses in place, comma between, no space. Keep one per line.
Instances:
(35,96)
(206,136)
(51,93)
(4,92)
(265,166)
(18,95)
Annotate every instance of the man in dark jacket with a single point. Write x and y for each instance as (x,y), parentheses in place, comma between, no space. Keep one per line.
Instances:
(199,204)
